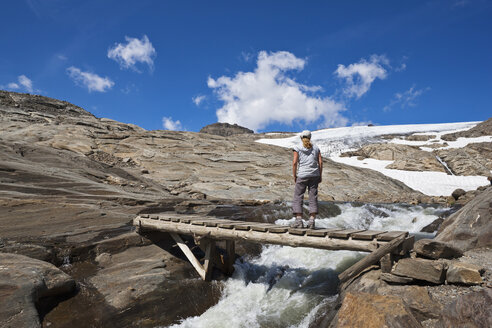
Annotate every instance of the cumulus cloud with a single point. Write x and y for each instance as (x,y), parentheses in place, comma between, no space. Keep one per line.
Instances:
(133,52)
(359,76)
(197,100)
(23,82)
(169,124)
(267,95)
(91,81)
(405,99)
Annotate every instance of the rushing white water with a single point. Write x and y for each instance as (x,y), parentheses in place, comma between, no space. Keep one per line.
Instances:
(286,286)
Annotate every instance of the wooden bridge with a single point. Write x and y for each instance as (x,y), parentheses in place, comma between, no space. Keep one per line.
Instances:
(208,230)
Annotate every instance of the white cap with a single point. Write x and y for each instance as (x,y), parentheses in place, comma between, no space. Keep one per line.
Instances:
(306,134)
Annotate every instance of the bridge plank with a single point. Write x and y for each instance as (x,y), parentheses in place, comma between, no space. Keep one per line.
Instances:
(390,235)
(263,227)
(298,231)
(366,235)
(321,232)
(276,228)
(145,216)
(344,233)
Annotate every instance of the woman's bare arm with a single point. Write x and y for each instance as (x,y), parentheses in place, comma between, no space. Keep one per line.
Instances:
(294,165)
(320,164)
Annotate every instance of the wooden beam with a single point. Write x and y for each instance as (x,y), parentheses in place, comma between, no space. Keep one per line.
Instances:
(370,259)
(189,255)
(230,256)
(208,265)
(267,237)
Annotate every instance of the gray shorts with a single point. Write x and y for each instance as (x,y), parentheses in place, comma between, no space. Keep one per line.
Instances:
(312,185)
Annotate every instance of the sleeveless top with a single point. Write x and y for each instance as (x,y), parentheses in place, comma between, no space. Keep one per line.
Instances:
(308,161)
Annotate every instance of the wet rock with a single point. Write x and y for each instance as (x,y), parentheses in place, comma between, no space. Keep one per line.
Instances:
(23,282)
(374,311)
(471,226)
(458,193)
(433,249)
(125,277)
(470,310)
(421,269)
(34,251)
(463,273)
(394,279)
(434,226)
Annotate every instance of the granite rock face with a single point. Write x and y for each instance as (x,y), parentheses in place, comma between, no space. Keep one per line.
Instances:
(373,311)
(482,129)
(25,281)
(472,310)
(471,226)
(473,159)
(405,157)
(225,129)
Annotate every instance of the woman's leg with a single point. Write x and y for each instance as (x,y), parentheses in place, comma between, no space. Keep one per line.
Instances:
(313,200)
(299,190)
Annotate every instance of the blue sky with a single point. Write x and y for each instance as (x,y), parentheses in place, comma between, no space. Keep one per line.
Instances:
(267,65)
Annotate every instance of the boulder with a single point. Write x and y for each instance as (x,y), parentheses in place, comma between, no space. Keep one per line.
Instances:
(25,281)
(435,250)
(473,159)
(417,299)
(433,226)
(482,129)
(225,129)
(471,226)
(374,311)
(473,310)
(394,279)
(421,269)
(463,273)
(458,193)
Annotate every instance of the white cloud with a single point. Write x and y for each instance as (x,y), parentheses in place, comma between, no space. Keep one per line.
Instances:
(405,99)
(198,99)
(92,81)
(13,86)
(359,76)
(22,82)
(133,52)
(25,82)
(61,57)
(169,124)
(267,95)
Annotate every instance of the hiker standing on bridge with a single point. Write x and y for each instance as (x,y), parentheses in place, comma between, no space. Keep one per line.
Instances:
(307,168)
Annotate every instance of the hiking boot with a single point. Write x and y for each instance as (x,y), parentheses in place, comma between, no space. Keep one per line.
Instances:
(310,224)
(297,224)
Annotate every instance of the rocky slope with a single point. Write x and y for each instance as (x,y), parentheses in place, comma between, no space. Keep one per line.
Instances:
(70,183)
(225,129)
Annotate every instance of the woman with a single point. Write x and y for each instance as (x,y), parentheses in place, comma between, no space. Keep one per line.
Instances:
(307,168)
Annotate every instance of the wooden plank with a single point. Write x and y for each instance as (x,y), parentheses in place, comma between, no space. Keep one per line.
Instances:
(154,216)
(175,219)
(207,222)
(344,233)
(320,232)
(164,218)
(276,228)
(189,254)
(370,259)
(242,225)
(366,235)
(145,216)
(390,235)
(263,227)
(298,231)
